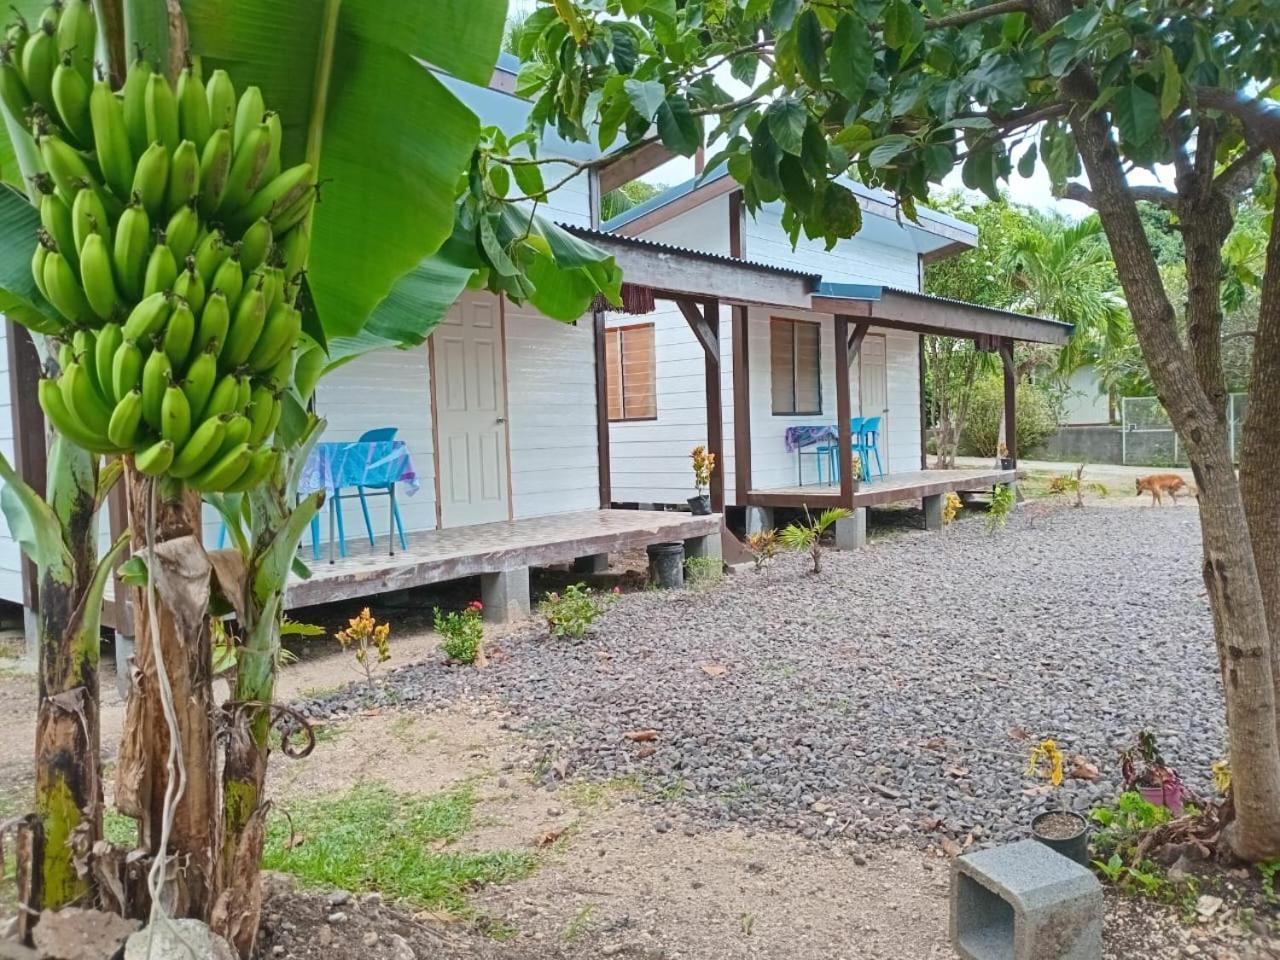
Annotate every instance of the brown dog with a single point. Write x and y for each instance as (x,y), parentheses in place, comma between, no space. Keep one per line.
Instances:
(1158,483)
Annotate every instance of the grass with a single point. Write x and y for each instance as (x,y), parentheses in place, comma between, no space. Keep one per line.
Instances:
(582,923)
(594,794)
(119,829)
(373,839)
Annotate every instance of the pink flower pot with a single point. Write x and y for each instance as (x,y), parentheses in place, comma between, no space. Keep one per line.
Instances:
(1164,795)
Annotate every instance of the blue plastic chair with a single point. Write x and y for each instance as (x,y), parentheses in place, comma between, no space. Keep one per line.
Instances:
(867,445)
(376,435)
(819,452)
(832,450)
(315,536)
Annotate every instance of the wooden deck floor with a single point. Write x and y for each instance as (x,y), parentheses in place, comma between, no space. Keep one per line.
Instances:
(892,489)
(438,555)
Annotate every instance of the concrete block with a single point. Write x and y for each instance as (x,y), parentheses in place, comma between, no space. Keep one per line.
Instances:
(933,511)
(505,595)
(1024,901)
(594,563)
(124,664)
(851,532)
(708,546)
(759,519)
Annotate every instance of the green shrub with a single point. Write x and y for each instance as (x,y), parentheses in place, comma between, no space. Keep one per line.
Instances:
(703,573)
(570,614)
(1037,417)
(461,633)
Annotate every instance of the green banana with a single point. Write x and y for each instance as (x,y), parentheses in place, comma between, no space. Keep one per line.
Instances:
(78,36)
(39,58)
(202,374)
(162,271)
(82,349)
(181,231)
(244,393)
(178,334)
(190,287)
(155,459)
(279,333)
(151,178)
(64,290)
(66,423)
(161,110)
(295,248)
(277,196)
(238,429)
(131,249)
(16,33)
(210,253)
(135,105)
(71,97)
(184,175)
(193,109)
(272,120)
(273,286)
(126,418)
(278,377)
(246,328)
(261,465)
(111,140)
(229,278)
(200,448)
(83,400)
(89,216)
(261,407)
(224,471)
(156,377)
(247,164)
(221,94)
(55,217)
(126,368)
(37,264)
(225,396)
(255,244)
(215,321)
(65,166)
(249,111)
(147,318)
(109,339)
(13,89)
(175,416)
(215,167)
(307,371)
(96,274)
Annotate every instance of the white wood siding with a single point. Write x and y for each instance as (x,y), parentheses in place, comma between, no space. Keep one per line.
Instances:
(10,555)
(551,403)
(856,260)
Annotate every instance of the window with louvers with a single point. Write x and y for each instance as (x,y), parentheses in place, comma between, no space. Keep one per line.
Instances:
(795,355)
(631,372)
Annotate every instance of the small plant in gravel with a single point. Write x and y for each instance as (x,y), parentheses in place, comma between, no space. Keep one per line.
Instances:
(703,573)
(951,506)
(461,632)
(807,537)
(369,639)
(1001,508)
(1143,768)
(703,465)
(571,613)
(763,547)
(1064,483)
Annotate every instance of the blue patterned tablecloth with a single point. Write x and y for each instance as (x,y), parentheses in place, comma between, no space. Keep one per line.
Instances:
(810,433)
(336,465)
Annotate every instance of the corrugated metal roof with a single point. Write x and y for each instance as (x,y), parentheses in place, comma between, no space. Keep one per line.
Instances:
(588,233)
(857,291)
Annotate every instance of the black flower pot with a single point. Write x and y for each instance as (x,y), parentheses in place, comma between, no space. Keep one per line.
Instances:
(700,506)
(1008,463)
(1064,831)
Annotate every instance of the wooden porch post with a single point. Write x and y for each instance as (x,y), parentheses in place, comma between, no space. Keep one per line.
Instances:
(924,408)
(603,466)
(715,405)
(29,453)
(1010,398)
(741,405)
(844,410)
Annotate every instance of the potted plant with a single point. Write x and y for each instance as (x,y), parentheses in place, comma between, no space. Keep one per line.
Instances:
(1143,769)
(1062,830)
(703,465)
(1006,462)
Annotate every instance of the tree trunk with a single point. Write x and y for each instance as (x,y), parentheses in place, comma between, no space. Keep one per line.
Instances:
(142,774)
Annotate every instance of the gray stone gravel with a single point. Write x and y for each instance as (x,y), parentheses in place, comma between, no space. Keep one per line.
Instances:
(888,698)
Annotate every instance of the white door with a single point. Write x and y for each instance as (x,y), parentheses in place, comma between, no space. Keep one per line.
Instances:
(471,414)
(873,390)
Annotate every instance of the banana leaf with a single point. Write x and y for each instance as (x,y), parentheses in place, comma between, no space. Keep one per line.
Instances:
(19,158)
(20,301)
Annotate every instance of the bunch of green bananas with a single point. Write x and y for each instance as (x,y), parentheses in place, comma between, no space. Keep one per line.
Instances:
(171,245)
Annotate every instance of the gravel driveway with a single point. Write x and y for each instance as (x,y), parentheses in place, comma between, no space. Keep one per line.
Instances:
(891,697)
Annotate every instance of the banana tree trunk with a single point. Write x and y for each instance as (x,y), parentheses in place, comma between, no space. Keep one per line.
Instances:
(185,649)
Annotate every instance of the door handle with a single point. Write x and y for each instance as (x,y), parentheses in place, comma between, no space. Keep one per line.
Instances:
(501,420)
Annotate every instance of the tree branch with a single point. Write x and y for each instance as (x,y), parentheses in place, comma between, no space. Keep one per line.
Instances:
(966,17)
(1260,118)
(1157,195)
(1240,173)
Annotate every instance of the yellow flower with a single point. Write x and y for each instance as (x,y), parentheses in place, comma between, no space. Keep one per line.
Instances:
(1046,762)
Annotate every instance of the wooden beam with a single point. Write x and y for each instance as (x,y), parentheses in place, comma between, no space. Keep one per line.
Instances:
(29,453)
(875,494)
(897,307)
(741,405)
(737,225)
(924,409)
(816,501)
(632,164)
(120,612)
(594,196)
(715,405)
(1010,398)
(701,329)
(844,411)
(859,334)
(955,248)
(604,465)
(678,205)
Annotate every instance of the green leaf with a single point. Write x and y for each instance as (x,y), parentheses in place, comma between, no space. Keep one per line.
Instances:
(903,25)
(1170,85)
(851,57)
(529,179)
(1027,162)
(1082,23)
(743,69)
(272,565)
(888,148)
(133,572)
(646,96)
(679,130)
(89,612)
(230,507)
(624,49)
(393,138)
(20,301)
(782,14)
(1136,113)
(810,57)
(787,117)
(33,524)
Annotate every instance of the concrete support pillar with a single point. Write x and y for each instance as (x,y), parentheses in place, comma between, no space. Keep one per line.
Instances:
(505,595)
(851,532)
(933,512)
(759,519)
(593,563)
(708,546)
(124,664)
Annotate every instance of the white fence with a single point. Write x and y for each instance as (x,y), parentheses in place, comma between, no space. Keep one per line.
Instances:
(1148,438)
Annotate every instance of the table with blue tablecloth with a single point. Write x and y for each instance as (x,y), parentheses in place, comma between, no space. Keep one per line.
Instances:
(380,465)
(807,434)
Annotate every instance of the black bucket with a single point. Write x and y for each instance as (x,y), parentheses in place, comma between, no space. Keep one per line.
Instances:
(1074,847)
(666,565)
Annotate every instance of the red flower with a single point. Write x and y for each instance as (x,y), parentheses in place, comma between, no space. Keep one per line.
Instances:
(475,605)
(617,589)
